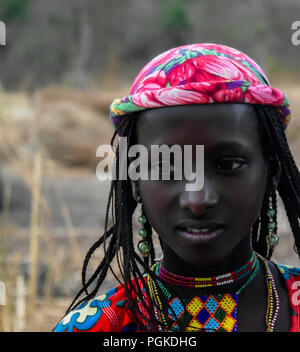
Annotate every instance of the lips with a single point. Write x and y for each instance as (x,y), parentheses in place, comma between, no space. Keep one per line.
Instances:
(199,232)
(197,225)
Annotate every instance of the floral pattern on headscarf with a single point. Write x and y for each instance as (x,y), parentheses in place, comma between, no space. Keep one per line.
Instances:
(200,74)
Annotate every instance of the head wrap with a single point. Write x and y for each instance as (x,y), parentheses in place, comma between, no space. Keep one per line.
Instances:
(200,74)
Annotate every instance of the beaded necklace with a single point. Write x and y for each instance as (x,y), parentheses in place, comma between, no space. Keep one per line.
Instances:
(273,299)
(210,312)
(197,282)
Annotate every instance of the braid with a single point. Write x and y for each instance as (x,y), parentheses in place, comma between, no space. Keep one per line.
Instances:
(259,239)
(274,206)
(289,183)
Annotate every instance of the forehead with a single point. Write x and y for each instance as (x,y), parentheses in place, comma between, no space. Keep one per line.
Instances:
(206,124)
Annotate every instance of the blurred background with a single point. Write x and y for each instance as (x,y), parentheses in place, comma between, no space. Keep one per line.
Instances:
(64,62)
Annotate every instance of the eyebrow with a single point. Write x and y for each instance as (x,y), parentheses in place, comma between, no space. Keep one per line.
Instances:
(221,145)
(231,145)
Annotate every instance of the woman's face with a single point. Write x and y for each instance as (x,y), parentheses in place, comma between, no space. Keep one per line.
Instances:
(202,227)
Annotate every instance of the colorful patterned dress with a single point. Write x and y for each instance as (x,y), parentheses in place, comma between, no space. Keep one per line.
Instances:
(108,313)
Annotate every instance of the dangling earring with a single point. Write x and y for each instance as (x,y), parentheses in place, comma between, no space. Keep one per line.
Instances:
(272,238)
(143,245)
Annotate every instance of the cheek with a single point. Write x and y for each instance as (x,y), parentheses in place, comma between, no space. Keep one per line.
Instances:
(248,196)
(158,200)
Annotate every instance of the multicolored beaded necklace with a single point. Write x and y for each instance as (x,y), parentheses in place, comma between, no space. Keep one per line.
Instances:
(216,312)
(197,282)
(273,299)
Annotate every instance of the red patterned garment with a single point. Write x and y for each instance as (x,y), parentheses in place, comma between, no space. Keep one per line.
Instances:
(108,312)
(291,277)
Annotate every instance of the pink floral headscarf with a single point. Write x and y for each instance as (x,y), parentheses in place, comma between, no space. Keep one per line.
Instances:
(200,74)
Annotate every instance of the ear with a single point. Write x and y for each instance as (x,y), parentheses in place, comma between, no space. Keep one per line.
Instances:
(274,170)
(134,186)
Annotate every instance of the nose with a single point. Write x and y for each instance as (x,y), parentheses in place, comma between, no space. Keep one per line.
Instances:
(199,201)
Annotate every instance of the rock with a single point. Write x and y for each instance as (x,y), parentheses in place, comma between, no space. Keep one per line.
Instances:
(85,198)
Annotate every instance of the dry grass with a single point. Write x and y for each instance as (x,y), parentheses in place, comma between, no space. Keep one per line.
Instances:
(52,131)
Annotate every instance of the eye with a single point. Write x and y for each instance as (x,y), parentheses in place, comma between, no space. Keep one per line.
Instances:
(162,166)
(230,164)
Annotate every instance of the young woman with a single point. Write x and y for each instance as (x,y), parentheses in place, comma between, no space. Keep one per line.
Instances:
(215,273)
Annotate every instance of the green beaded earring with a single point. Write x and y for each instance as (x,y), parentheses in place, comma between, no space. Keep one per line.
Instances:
(272,238)
(143,245)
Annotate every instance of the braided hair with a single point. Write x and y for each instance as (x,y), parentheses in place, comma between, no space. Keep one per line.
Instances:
(118,240)
(272,130)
